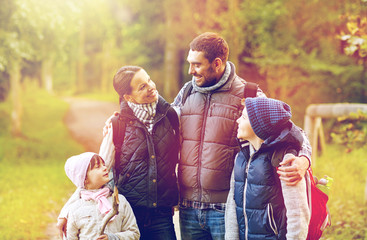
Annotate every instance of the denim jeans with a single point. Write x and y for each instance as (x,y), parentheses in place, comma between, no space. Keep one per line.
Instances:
(155,223)
(206,224)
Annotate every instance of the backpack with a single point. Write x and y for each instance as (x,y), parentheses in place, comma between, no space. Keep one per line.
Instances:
(317,199)
(119,127)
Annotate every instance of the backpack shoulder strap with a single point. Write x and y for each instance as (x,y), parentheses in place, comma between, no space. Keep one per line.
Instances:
(187,92)
(118,127)
(279,154)
(173,119)
(250,89)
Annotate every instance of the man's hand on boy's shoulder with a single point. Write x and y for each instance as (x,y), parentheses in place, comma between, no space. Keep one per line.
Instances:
(293,169)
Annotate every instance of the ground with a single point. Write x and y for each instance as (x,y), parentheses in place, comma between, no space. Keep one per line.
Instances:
(85,120)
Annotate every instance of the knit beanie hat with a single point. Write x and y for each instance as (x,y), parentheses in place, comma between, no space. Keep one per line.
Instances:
(267,116)
(76,168)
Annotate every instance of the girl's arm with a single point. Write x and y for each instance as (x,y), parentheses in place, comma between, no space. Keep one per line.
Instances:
(73,231)
(63,217)
(129,228)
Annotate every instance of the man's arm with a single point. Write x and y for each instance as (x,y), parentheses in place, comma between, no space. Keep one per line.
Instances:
(298,165)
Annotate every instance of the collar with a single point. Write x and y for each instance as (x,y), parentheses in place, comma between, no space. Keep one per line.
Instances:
(218,85)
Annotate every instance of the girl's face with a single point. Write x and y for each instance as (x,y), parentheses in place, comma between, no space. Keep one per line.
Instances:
(143,89)
(244,131)
(97,174)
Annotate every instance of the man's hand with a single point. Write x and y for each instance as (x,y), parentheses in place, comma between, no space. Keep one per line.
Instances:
(108,123)
(61,226)
(102,237)
(293,169)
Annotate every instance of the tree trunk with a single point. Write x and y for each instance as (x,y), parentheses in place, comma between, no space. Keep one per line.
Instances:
(16,115)
(171,56)
(47,80)
(235,47)
(80,82)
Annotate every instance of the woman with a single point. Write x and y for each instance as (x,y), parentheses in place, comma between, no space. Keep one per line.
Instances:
(146,168)
(149,154)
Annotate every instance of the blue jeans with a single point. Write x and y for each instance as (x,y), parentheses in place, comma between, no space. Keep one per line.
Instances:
(207,224)
(155,223)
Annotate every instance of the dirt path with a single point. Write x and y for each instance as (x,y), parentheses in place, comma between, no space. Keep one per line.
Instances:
(85,120)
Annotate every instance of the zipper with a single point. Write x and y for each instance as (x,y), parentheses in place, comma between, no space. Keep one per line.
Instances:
(206,110)
(272,224)
(244,196)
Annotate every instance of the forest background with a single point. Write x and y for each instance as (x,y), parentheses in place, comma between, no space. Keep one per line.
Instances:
(302,52)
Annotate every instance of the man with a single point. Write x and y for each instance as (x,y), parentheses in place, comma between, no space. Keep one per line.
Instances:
(209,145)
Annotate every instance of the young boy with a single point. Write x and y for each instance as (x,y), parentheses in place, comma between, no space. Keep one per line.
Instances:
(89,173)
(263,205)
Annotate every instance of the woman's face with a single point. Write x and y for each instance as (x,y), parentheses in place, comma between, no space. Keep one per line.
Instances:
(143,89)
(244,131)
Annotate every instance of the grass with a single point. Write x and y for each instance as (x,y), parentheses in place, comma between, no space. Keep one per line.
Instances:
(33,183)
(346,198)
(34,186)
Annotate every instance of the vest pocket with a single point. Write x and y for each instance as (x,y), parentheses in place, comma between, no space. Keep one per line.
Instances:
(271,220)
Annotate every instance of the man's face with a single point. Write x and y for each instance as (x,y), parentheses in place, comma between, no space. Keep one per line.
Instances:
(201,69)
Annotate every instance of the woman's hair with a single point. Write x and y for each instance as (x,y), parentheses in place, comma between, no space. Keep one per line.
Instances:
(122,79)
(213,46)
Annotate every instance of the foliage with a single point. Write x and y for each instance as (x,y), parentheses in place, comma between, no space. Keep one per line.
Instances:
(351,131)
(33,183)
(346,197)
(288,47)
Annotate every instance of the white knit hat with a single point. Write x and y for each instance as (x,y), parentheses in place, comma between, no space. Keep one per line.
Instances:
(76,168)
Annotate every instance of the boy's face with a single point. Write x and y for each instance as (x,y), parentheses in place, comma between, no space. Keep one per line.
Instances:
(97,176)
(244,131)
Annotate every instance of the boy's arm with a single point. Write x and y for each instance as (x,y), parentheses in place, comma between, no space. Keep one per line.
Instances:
(230,216)
(297,211)
(129,228)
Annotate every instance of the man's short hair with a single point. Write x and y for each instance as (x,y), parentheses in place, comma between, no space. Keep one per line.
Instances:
(213,46)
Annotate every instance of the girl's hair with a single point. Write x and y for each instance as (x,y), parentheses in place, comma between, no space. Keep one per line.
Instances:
(122,80)
(96,161)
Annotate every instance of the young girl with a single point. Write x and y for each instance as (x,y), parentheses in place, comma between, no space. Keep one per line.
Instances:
(263,205)
(89,173)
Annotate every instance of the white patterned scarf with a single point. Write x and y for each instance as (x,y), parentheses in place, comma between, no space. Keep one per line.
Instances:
(145,113)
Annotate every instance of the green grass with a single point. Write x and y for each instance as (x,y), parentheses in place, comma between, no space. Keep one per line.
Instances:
(33,183)
(346,198)
(34,186)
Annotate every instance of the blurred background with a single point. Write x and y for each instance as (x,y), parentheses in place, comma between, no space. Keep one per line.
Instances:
(302,52)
